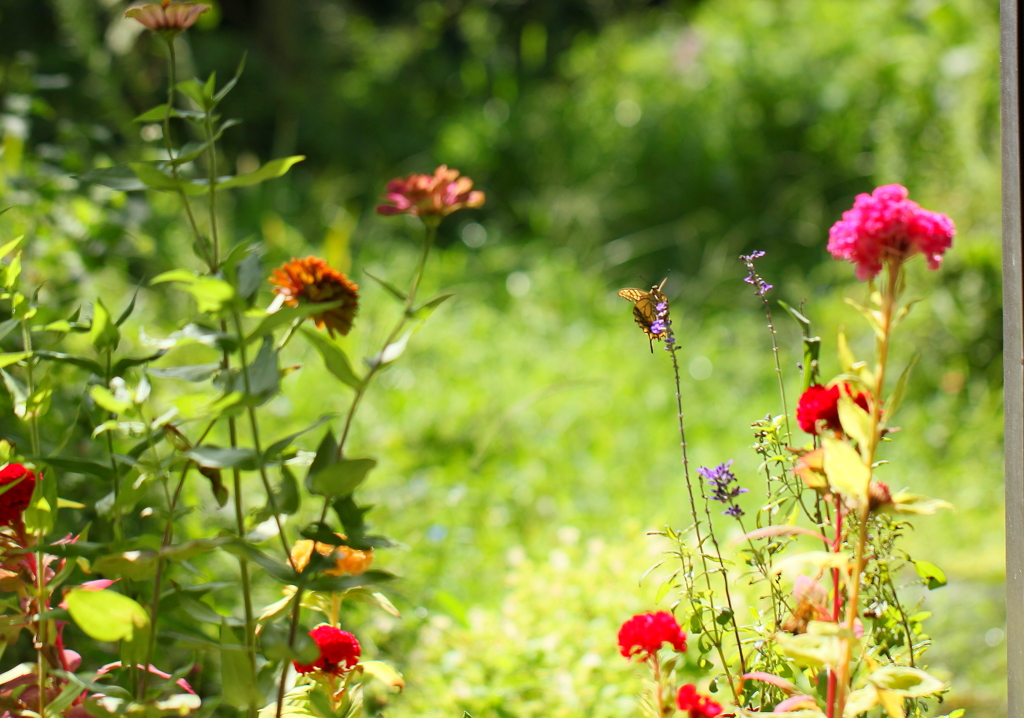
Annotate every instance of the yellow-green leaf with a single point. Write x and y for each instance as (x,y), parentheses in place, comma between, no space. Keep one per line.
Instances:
(106,615)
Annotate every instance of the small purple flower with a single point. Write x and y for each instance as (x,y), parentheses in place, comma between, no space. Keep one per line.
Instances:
(761,287)
(720,479)
(658,326)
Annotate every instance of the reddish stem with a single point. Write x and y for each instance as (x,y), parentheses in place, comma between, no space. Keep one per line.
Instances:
(836,602)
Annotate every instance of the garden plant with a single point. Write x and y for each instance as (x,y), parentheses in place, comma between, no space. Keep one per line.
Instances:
(829,631)
(125,581)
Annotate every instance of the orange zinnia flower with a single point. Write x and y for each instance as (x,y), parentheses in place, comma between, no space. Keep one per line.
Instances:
(167,16)
(347,561)
(313,280)
(436,195)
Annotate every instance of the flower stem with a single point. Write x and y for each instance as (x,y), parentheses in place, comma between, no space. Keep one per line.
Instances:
(696,526)
(893,275)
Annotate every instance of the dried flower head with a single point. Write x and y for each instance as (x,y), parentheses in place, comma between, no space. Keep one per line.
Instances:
(819,406)
(644,634)
(167,16)
(339,651)
(696,704)
(436,195)
(313,280)
(347,561)
(17,484)
(885,226)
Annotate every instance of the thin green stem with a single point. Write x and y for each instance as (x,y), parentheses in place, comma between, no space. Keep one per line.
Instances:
(168,536)
(292,631)
(41,638)
(115,471)
(696,523)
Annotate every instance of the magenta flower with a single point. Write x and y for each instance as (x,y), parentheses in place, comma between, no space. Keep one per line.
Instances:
(885,226)
(436,195)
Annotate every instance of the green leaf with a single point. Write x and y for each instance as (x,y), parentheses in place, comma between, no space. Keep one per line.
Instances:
(80,362)
(346,583)
(271,170)
(229,85)
(934,576)
(125,363)
(426,309)
(855,421)
(105,399)
(274,450)
(215,457)
(8,247)
(906,681)
(119,177)
(287,498)
(846,358)
(76,466)
(264,375)
(130,308)
(334,358)
(106,615)
(132,565)
(896,398)
(104,334)
(193,373)
(153,177)
(341,478)
(249,276)
(13,358)
(211,293)
(811,651)
(8,326)
(845,469)
(391,352)
(193,90)
(286,315)
(238,678)
(19,393)
(175,275)
(391,288)
(384,673)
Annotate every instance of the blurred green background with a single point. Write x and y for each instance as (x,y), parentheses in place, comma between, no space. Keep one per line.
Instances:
(527,441)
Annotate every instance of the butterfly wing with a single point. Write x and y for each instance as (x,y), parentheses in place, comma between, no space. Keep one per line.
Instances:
(645,311)
(633,295)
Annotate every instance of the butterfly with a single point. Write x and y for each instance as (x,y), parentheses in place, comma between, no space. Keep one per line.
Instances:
(645,311)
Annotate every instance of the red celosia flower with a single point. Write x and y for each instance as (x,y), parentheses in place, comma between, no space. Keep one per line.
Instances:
(699,706)
(167,16)
(15,499)
(313,280)
(436,195)
(821,404)
(339,651)
(886,226)
(645,633)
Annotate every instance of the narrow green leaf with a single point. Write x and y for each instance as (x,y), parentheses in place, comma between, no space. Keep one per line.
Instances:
(899,392)
(238,679)
(13,358)
(271,170)
(391,288)
(193,373)
(81,362)
(104,334)
(286,315)
(216,457)
(119,177)
(426,309)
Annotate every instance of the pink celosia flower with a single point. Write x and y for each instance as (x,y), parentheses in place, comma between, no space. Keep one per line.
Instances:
(644,634)
(698,706)
(167,16)
(885,226)
(436,195)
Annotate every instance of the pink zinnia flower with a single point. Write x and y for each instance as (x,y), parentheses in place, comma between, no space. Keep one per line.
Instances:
(698,706)
(436,195)
(339,651)
(885,226)
(167,16)
(645,633)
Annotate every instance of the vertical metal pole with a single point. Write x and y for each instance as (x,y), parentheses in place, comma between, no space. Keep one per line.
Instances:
(1013,353)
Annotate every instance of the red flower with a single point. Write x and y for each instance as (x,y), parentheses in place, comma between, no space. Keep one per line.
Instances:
(645,633)
(886,226)
(698,705)
(313,280)
(339,651)
(436,195)
(15,499)
(821,404)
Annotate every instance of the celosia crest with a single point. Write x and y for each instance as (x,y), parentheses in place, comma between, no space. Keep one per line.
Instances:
(339,651)
(886,226)
(645,633)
